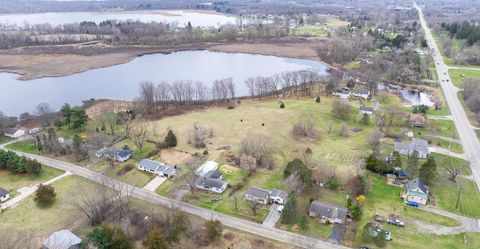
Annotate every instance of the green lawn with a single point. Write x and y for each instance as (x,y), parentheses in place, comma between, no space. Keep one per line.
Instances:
(311,30)
(4,139)
(12,181)
(42,221)
(457,78)
(133,177)
(352,65)
(446,195)
(27,146)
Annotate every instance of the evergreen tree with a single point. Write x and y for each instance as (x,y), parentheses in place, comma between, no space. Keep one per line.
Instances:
(317,99)
(428,171)
(77,147)
(304,222)
(171,139)
(282,105)
(66,111)
(155,239)
(45,195)
(78,118)
(412,165)
(289,210)
(365,119)
(372,163)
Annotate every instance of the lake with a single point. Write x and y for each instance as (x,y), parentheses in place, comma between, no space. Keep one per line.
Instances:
(179,17)
(416,98)
(122,81)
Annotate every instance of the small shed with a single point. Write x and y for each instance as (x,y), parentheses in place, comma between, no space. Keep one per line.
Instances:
(391,178)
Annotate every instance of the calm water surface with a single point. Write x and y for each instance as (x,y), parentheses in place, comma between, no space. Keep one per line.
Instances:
(121,81)
(179,17)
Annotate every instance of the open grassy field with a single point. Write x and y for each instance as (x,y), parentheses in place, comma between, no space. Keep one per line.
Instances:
(4,139)
(457,78)
(320,30)
(352,65)
(12,181)
(232,126)
(42,221)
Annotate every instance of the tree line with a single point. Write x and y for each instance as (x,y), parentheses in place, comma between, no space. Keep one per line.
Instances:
(463,30)
(18,164)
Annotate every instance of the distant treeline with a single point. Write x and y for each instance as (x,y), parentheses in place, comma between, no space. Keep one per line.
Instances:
(463,30)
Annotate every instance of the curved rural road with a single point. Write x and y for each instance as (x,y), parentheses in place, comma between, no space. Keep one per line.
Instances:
(467,224)
(246,226)
(465,130)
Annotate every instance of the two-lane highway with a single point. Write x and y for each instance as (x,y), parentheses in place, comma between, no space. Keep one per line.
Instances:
(466,132)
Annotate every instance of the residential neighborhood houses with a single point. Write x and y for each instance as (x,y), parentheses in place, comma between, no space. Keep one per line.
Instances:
(209,178)
(158,168)
(366,110)
(419,145)
(119,155)
(327,212)
(265,197)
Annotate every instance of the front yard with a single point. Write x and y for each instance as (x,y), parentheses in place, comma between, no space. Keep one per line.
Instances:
(12,181)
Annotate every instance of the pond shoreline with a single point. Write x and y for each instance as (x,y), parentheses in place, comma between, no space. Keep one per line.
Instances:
(56,61)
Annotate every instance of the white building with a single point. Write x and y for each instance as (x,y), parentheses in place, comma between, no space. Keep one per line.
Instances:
(4,195)
(13,133)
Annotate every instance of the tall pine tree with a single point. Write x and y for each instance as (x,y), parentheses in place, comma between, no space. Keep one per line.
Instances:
(428,171)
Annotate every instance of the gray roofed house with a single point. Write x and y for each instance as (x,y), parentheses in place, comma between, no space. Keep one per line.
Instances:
(258,195)
(4,194)
(278,196)
(157,167)
(214,174)
(326,211)
(116,154)
(419,145)
(366,110)
(361,92)
(209,184)
(63,239)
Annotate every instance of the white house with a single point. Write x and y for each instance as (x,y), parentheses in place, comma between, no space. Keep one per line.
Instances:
(116,154)
(258,195)
(157,167)
(206,168)
(278,196)
(361,92)
(366,110)
(343,93)
(212,185)
(13,133)
(417,191)
(4,195)
(34,131)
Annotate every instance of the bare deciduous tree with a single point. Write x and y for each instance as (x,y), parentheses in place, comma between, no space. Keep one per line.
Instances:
(258,146)
(10,239)
(305,127)
(45,114)
(139,136)
(374,140)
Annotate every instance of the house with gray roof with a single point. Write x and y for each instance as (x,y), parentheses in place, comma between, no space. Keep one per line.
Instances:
(361,92)
(209,184)
(278,196)
(4,195)
(259,195)
(366,110)
(417,191)
(63,239)
(119,155)
(327,212)
(156,167)
(419,145)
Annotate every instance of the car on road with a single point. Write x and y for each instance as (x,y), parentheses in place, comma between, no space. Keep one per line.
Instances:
(412,203)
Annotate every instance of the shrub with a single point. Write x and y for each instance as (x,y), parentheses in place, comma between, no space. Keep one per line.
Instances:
(333,183)
(317,99)
(125,169)
(45,195)
(214,229)
(282,105)
(106,237)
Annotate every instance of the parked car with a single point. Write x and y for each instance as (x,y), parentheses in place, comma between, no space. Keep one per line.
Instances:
(365,247)
(378,218)
(412,203)
(395,220)
(387,234)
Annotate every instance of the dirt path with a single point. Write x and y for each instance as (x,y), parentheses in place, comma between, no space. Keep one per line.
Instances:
(467,224)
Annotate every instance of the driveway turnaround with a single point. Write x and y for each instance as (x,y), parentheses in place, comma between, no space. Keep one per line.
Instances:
(466,224)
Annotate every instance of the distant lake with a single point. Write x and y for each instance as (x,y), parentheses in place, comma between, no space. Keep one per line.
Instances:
(179,17)
(122,81)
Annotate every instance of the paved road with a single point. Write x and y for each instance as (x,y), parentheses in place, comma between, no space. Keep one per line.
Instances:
(447,152)
(247,226)
(466,133)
